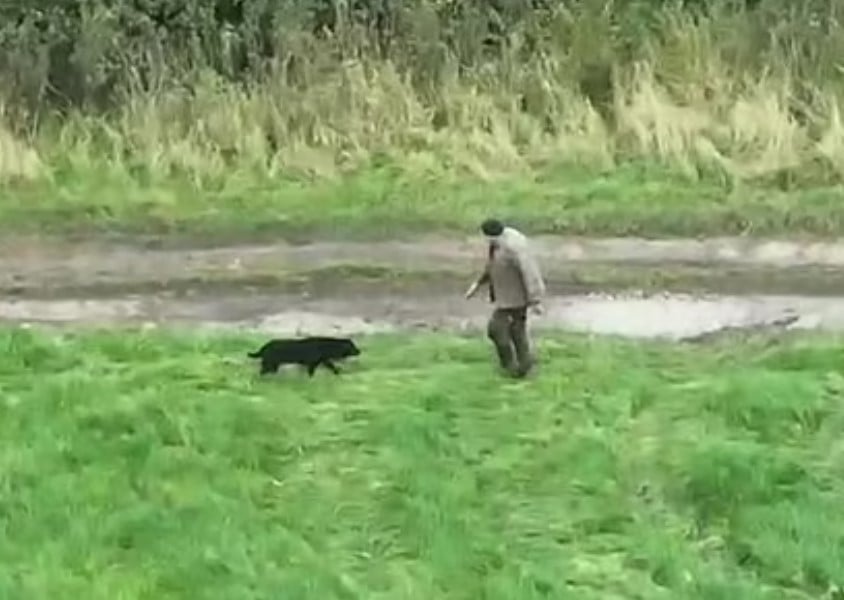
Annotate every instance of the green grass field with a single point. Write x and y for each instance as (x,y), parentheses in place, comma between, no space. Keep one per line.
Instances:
(159,466)
(629,200)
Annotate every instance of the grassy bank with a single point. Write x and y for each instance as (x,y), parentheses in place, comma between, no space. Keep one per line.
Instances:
(385,203)
(158,465)
(590,118)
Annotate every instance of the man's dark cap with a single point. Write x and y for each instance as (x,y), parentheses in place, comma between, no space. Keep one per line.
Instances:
(492,227)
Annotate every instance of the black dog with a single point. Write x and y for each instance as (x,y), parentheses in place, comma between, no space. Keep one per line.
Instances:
(310,352)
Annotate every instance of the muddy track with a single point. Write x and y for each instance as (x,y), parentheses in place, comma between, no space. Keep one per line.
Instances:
(383,286)
(31,267)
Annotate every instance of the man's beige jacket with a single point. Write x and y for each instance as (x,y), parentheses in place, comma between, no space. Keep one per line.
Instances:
(513,273)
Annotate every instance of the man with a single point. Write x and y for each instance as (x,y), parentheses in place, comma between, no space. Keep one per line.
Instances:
(515,284)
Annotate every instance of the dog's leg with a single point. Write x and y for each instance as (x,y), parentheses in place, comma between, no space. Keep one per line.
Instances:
(268,367)
(311,368)
(330,365)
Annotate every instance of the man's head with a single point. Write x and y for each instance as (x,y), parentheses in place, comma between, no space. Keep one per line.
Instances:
(492,229)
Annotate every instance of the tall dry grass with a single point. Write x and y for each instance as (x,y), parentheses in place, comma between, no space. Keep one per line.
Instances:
(733,94)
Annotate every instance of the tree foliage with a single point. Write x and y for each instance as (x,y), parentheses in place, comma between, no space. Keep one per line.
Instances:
(84,53)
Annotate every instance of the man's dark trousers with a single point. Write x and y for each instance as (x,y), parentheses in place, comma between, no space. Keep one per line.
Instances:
(507,328)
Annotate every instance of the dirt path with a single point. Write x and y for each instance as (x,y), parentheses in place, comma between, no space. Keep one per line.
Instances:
(28,265)
(99,284)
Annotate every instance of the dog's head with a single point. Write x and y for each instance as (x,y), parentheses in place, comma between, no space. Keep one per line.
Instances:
(349,348)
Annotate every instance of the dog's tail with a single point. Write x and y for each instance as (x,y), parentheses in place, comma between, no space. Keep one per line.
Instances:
(256,354)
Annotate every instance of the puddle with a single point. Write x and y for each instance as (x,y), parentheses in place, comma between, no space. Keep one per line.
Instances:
(672,316)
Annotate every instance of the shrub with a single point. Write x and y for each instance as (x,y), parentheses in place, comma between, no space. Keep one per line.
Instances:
(738,91)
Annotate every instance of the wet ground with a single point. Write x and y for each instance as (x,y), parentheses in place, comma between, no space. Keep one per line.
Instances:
(33,262)
(356,288)
(668,316)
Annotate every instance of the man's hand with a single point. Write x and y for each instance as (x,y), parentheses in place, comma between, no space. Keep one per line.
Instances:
(537,308)
(473,289)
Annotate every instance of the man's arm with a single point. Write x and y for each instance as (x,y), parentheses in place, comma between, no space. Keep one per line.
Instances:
(483,279)
(531,276)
